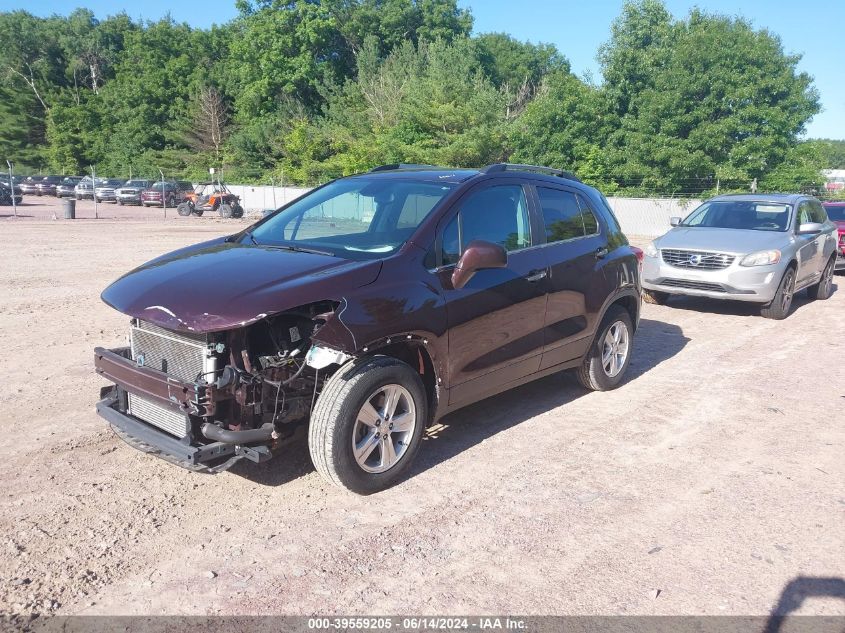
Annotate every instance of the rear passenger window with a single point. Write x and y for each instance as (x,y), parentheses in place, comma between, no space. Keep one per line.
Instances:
(565,215)
(591,225)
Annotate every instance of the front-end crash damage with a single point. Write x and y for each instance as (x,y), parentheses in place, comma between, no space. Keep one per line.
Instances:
(206,400)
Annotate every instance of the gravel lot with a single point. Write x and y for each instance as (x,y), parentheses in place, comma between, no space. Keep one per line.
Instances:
(711,482)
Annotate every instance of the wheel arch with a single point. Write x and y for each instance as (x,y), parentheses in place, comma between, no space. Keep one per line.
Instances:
(413,351)
(629,300)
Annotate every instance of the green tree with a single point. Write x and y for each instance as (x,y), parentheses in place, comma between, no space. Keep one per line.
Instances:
(724,101)
(566,126)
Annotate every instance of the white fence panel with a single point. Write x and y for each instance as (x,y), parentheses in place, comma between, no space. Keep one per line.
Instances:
(649,217)
(258,198)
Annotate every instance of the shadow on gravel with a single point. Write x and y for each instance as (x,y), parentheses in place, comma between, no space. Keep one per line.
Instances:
(292,462)
(735,308)
(654,343)
(796,592)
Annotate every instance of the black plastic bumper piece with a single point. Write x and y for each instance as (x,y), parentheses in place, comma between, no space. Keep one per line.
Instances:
(148,439)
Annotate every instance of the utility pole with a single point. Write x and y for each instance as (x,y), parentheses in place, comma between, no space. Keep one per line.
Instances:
(163,205)
(273,183)
(94,190)
(12,188)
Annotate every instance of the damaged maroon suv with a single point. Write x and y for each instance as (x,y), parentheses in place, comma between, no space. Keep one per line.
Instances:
(367,310)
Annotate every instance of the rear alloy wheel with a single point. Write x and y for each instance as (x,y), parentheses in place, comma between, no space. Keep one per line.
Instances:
(655,297)
(184,209)
(609,355)
(225,210)
(779,307)
(824,288)
(368,423)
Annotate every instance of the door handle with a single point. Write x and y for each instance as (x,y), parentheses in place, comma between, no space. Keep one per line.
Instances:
(601,253)
(537,275)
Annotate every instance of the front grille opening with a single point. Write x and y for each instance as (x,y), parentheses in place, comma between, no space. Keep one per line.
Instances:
(693,285)
(701,260)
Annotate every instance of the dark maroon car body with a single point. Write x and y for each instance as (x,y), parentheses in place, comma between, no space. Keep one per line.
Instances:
(836,213)
(504,327)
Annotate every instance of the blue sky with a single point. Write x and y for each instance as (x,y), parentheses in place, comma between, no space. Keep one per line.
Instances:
(813,28)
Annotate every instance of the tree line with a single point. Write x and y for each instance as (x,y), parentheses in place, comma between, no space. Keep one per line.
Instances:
(304,91)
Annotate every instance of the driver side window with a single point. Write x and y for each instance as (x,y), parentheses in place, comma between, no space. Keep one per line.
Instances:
(496,214)
(804,215)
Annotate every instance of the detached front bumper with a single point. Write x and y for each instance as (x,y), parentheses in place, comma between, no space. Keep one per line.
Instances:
(756,284)
(195,402)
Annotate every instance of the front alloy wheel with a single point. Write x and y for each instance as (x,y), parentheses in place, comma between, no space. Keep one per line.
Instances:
(383,428)
(368,423)
(779,307)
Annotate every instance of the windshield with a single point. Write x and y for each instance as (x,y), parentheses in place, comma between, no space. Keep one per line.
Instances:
(135,183)
(743,215)
(835,212)
(358,218)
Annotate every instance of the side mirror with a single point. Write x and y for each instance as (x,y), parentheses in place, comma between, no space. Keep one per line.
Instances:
(478,255)
(810,228)
(675,221)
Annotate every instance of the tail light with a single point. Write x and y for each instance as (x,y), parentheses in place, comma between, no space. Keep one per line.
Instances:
(639,253)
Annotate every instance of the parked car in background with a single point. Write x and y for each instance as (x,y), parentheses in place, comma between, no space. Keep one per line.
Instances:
(85,188)
(6,193)
(67,187)
(47,186)
(175,191)
(130,191)
(368,309)
(836,214)
(30,185)
(105,190)
(759,248)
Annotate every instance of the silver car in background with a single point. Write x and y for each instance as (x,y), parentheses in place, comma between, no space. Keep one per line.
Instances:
(759,248)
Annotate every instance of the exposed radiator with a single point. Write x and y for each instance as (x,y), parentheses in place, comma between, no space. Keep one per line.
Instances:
(164,418)
(179,354)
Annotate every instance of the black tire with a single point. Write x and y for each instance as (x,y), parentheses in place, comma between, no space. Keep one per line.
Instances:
(333,422)
(119,202)
(184,209)
(655,297)
(197,212)
(237,211)
(225,211)
(824,288)
(170,201)
(779,308)
(592,373)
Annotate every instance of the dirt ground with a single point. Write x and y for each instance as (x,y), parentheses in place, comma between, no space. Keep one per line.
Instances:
(711,482)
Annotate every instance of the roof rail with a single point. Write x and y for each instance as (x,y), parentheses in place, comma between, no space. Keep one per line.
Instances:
(397,166)
(497,167)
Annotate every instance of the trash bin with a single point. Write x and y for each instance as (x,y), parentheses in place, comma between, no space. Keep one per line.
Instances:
(70,208)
